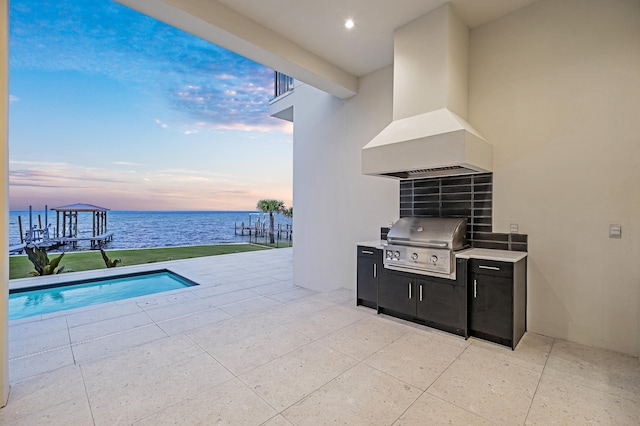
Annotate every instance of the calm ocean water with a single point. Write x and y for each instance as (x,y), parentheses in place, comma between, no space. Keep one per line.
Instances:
(144,229)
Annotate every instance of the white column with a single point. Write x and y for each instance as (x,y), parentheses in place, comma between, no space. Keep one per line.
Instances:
(4,197)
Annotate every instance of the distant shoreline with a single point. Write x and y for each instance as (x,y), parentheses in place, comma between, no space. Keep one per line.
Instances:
(152,228)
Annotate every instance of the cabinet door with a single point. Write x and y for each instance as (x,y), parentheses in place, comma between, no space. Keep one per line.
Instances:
(442,304)
(491,305)
(397,292)
(367,282)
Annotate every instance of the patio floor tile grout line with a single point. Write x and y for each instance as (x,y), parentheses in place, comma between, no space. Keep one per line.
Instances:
(115,333)
(535,392)
(449,402)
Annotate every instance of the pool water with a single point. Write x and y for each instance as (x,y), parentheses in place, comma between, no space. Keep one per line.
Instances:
(25,303)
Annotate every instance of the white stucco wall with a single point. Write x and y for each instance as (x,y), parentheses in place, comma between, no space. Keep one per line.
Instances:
(556,88)
(335,205)
(4,197)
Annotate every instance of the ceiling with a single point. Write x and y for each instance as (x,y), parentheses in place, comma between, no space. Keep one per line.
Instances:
(318,26)
(306,39)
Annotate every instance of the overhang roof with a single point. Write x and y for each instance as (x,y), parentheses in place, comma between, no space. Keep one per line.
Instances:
(80,207)
(306,39)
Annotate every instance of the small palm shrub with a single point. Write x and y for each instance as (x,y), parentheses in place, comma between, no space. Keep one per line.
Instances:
(41,263)
(110,263)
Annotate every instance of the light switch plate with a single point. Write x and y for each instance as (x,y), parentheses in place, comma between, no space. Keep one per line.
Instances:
(513,228)
(615,231)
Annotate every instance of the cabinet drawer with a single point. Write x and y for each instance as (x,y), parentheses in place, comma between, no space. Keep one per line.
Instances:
(370,252)
(491,267)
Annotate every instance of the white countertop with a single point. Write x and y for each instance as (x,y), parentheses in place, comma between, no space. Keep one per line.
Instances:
(472,253)
(372,243)
(489,254)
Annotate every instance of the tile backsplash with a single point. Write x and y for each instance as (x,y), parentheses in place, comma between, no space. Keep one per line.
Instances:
(468,196)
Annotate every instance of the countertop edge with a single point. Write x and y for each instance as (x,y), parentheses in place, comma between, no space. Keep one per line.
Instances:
(372,243)
(471,253)
(490,254)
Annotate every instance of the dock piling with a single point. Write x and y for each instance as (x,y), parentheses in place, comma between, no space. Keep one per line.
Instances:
(20,228)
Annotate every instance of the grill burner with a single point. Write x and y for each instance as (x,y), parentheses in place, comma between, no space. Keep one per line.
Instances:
(425,245)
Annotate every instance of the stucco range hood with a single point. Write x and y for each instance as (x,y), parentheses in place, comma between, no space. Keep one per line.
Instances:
(429,135)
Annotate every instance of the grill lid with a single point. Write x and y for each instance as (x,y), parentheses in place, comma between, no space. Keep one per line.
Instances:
(435,232)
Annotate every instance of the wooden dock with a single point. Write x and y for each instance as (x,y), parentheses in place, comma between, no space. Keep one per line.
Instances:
(66,230)
(96,241)
(260,229)
(17,248)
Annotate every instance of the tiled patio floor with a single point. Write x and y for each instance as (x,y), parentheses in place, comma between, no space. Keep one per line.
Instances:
(247,347)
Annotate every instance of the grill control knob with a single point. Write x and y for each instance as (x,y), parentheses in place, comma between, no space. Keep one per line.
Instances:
(433,259)
(414,256)
(396,255)
(389,254)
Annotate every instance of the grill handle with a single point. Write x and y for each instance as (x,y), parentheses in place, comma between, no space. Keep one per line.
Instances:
(429,244)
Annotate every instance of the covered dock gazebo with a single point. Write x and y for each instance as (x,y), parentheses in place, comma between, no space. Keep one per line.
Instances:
(68,233)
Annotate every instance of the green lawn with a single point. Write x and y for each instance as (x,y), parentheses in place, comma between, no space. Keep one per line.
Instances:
(21,267)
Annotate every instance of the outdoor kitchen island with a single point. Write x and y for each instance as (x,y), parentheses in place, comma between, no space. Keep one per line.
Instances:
(487,299)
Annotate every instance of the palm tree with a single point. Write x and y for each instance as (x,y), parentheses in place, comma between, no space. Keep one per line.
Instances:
(271,206)
(288,212)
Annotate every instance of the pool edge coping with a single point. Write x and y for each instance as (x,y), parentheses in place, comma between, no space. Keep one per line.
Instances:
(66,277)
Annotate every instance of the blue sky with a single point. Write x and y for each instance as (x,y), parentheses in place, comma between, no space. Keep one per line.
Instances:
(111,107)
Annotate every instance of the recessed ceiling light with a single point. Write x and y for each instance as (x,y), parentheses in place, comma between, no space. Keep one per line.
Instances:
(349,24)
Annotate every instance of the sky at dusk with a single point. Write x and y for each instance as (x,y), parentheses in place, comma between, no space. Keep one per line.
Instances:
(114,108)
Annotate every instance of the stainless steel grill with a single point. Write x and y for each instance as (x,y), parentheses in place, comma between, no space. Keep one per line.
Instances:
(425,245)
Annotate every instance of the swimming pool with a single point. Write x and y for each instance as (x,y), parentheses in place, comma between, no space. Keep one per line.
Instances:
(40,300)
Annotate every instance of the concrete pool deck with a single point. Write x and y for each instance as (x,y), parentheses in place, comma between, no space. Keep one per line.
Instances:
(247,347)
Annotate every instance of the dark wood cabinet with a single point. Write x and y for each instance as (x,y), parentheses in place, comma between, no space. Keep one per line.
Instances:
(369,265)
(488,298)
(436,302)
(498,300)
(396,293)
(443,305)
